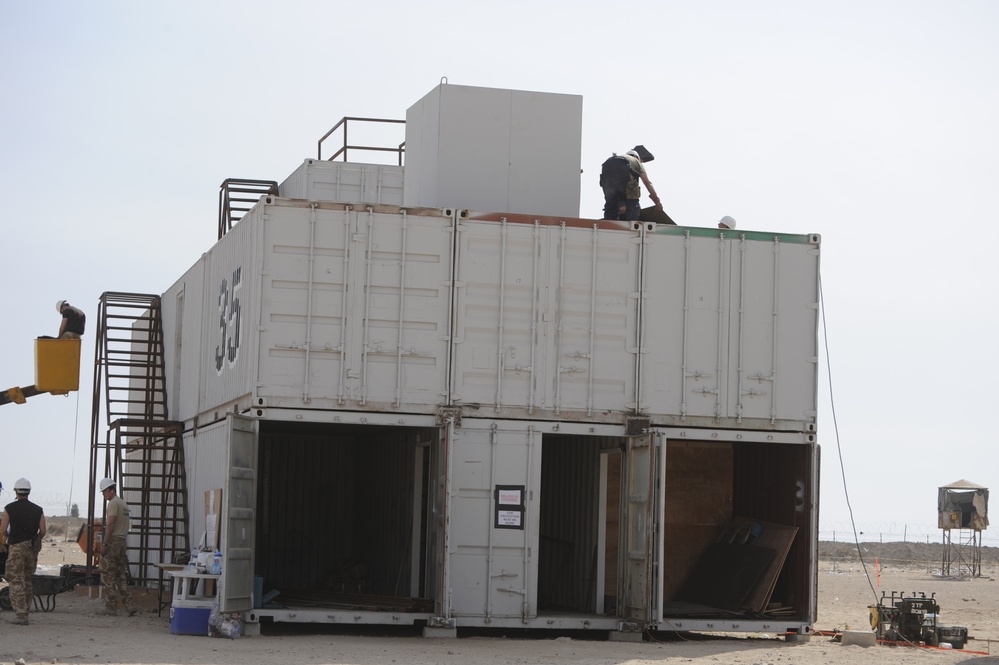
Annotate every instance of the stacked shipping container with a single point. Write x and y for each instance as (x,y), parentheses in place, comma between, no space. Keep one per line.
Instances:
(467,381)
(454,417)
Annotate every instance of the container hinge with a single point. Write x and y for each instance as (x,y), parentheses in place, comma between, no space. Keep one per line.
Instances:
(440,622)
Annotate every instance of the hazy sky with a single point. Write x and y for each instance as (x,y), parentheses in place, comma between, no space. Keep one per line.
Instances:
(871,123)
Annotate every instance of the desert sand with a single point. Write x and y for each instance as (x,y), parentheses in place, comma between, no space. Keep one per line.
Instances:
(74,633)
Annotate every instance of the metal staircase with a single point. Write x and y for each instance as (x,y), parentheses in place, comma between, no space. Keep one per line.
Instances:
(237,196)
(131,439)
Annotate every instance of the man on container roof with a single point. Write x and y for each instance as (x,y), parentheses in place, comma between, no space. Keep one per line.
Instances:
(620,178)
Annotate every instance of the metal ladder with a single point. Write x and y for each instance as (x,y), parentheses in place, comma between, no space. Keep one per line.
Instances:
(237,196)
(131,439)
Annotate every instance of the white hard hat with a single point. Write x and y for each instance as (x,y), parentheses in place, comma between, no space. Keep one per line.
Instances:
(106,483)
(22,485)
(634,154)
(59,304)
(726,222)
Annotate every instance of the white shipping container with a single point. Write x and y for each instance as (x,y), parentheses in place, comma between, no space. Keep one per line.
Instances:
(345,182)
(546,316)
(316,305)
(553,318)
(730,326)
(507,523)
(548,310)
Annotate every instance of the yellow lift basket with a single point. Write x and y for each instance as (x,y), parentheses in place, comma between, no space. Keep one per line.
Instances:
(57,365)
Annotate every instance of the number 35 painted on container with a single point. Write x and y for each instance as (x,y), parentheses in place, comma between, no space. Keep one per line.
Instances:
(230,314)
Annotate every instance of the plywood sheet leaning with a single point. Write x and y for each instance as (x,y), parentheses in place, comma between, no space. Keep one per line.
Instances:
(777,537)
(726,574)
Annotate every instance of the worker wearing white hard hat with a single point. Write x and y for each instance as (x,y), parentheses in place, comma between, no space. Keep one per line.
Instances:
(113,560)
(24,524)
(74,321)
(726,222)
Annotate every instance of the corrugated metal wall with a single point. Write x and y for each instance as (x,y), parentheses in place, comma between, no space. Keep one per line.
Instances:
(567,547)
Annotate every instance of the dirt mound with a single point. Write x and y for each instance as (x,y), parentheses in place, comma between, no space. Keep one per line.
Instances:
(900,554)
(63,528)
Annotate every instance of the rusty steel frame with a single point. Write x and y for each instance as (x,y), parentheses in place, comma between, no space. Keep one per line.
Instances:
(134,442)
(400,150)
(964,557)
(232,208)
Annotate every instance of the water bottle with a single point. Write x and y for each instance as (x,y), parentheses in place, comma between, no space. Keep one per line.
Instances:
(217,563)
(193,563)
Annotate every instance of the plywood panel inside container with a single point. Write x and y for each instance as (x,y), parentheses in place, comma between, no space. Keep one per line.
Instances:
(684,545)
(698,482)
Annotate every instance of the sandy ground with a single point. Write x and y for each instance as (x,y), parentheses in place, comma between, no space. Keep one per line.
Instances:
(74,633)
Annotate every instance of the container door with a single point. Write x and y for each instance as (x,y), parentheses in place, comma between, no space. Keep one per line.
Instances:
(238,525)
(355,308)
(685,314)
(494,520)
(546,319)
(437,530)
(641,491)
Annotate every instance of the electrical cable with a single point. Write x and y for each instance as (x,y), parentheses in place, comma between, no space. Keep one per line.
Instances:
(72,472)
(895,626)
(839,446)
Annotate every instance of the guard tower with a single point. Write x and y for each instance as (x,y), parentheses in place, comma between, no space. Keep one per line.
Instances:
(963,507)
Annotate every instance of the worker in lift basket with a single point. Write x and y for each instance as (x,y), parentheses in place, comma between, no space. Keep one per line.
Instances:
(73,321)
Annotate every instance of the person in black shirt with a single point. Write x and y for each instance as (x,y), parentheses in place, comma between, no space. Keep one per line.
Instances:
(23,525)
(73,321)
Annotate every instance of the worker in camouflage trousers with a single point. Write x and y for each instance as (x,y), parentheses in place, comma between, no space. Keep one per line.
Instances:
(23,526)
(114,563)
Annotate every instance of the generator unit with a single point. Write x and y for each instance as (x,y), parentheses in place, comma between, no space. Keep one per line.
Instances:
(915,620)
